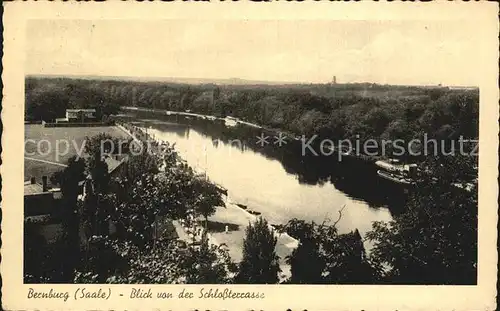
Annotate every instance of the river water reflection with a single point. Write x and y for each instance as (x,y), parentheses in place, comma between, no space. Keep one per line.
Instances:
(277,181)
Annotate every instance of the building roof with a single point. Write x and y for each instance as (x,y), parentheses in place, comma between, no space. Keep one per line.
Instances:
(84,110)
(38,219)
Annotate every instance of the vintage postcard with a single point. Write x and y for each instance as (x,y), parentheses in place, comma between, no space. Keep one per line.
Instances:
(239,155)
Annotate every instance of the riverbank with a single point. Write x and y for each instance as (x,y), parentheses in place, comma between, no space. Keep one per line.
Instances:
(127,132)
(210,117)
(350,153)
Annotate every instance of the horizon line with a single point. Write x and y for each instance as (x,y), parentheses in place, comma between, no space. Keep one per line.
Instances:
(242,80)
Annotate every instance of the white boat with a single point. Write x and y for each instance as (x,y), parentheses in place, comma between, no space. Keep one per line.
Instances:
(395,177)
(392,165)
(397,172)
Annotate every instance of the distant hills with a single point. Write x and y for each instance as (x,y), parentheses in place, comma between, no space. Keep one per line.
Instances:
(226,81)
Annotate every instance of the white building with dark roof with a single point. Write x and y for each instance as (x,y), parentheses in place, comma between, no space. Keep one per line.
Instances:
(80,115)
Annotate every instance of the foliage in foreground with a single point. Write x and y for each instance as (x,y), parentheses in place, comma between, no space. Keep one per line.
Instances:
(164,262)
(324,256)
(435,240)
(260,264)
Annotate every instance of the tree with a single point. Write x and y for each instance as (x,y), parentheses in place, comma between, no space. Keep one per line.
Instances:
(69,180)
(122,262)
(149,194)
(136,209)
(207,264)
(86,96)
(306,264)
(141,165)
(208,197)
(260,264)
(151,265)
(105,144)
(435,240)
(95,149)
(98,205)
(46,103)
(98,202)
(37,257)
(104,258)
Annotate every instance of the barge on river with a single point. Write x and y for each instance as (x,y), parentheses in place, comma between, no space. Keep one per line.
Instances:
(397,172)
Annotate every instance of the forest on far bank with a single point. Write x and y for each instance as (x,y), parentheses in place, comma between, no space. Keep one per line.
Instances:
(358,111)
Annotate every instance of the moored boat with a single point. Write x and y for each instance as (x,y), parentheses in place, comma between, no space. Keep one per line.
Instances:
(395,178)
(393,170)
(230,121)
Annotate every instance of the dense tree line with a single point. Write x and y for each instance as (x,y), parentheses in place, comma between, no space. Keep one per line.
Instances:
(48,99)
(351,111)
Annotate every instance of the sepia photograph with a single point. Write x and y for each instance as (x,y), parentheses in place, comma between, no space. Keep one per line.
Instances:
(217,156)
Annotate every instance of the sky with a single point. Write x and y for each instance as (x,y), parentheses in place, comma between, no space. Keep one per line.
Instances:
(392,52)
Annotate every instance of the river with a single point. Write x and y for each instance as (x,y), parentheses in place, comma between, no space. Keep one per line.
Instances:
(277,181)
